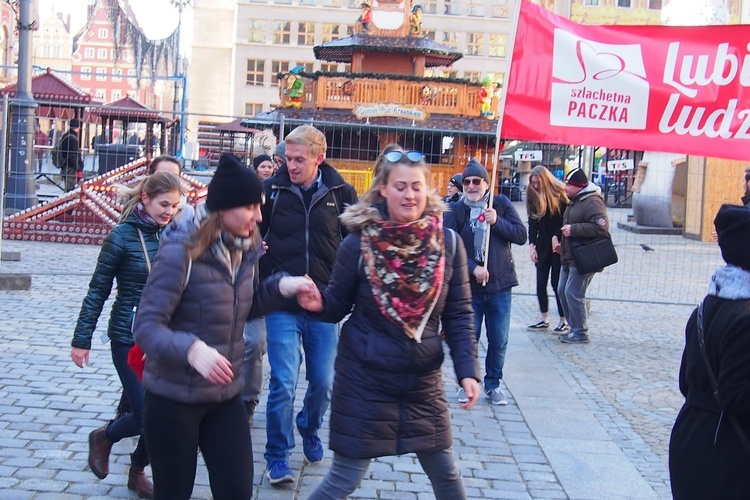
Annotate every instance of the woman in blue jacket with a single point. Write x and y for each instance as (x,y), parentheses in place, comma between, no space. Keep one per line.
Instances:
(126,256)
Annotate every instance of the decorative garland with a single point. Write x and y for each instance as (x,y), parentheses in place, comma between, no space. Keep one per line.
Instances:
(383,76)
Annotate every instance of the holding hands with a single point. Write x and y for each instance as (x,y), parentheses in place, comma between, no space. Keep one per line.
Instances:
(308,295)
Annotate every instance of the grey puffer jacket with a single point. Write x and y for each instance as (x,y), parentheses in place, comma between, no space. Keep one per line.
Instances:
(211,308)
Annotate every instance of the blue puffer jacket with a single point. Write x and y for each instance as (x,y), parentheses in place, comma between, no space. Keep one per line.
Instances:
(508,229)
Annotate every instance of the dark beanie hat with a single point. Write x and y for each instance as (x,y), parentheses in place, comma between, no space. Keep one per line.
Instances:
(577,177)
(260,159)
(75,123)
(733,227)
(475,169)
(458,181)
(280,149)
(234,185)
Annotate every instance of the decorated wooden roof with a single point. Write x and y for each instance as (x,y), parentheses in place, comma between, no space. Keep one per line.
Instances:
(130,109)
(48,87)
(342,49)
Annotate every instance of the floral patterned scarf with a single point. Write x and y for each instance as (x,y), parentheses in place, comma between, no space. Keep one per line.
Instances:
(405,264)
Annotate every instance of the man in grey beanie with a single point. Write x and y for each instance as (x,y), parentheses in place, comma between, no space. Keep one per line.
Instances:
(279,155)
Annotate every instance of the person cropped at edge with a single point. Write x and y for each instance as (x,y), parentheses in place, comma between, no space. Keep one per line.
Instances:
(71,150)
(493,275)
(201,289)
(707,458)
(746,186)
(584,217)
(302,230)
(122,258)
(402,273)
(545,204)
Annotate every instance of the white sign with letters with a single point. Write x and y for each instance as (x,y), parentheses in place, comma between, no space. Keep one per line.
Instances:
(617,165)
(528,156)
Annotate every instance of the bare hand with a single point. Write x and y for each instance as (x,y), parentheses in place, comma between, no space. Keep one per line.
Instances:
(264,247)
(490,215)
(210,363)
(80,356)
(290,286)
(556,247)
(532,253)
(566,230)
(310,300)
(481,274)
(471,388)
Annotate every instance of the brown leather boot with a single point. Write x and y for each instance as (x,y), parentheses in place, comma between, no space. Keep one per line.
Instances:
(99,448)
(138,482)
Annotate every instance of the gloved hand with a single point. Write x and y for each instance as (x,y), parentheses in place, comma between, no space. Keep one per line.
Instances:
(289,286)
(209,363)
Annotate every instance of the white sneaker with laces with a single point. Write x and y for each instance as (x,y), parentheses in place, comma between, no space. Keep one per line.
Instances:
(497,397)
(462,397)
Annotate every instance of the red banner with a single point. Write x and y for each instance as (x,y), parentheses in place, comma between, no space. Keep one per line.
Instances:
(652,88)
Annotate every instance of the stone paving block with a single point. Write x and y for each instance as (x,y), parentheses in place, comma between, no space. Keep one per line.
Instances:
(58,496)
(8,494)
(47,485)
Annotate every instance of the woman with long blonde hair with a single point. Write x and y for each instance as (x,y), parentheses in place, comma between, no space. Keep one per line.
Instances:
(545,203)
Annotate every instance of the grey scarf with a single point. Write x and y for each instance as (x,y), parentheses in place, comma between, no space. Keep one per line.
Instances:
(730,282)
(478,226)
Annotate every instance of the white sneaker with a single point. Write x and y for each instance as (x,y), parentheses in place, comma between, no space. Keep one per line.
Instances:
(462,397)
(497,397)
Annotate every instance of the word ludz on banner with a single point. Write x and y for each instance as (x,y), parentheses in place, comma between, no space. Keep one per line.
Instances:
(689,118)
(393,110)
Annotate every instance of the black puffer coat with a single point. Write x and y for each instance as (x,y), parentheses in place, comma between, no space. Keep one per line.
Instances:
(121,258)
(388,396)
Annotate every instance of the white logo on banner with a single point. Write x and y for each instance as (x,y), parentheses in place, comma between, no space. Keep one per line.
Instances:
(597,85)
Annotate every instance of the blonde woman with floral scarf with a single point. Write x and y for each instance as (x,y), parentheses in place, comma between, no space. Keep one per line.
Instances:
(403,274)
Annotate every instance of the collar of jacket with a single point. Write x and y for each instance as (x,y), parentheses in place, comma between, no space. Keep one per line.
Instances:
(331,177)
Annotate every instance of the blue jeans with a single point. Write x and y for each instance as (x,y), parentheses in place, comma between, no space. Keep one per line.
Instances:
(252,364)
(494,310)
(130,424)
(290,332)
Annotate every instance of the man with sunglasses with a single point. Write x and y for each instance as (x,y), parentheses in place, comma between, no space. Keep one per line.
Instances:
(493,272)
(302,230)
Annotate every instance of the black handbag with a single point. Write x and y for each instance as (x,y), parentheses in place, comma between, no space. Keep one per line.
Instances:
(593,255)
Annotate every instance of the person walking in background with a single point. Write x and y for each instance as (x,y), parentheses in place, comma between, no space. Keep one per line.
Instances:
(545,204)
(585,217)
(302,230)
(126,256)
(264,166)
(70,148)
(709,451)
(494,273)
(455,188)
(40,140)
(402,274)
(202,288)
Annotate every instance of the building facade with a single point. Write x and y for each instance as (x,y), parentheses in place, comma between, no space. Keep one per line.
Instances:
(53,41)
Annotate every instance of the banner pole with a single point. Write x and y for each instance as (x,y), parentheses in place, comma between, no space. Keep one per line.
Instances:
(501,111)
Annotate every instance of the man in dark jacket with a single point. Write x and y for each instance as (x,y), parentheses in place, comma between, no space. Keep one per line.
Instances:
(494,273)
(585,217)
(302,229)
(746,184)
(71,150)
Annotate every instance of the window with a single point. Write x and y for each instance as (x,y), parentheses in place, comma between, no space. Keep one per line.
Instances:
(101,74)
(476,8)
(625,4)
(117,71)
(474,42)
(331,3)
(591,2)
(127,55)
(499,8)
(444,73)
(350,30)
(259,1)
(450,39)
(101,54)
(429,34)
(276,68)
(473,76)
(498,45)
(654,4)
(453,7)
(282,32)
(85,73)
(308,2)
(306,34)
(329,67)
(309,67)
(253,108)
(429,7)
(116,95)
(347,68)
(101,94)
(255,71)
(283,2)
(103,33)
(112,54)
(56,51)
(330,32)
(89,52)
(256,32)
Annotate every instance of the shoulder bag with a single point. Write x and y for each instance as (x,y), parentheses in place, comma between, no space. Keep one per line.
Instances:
(593,255)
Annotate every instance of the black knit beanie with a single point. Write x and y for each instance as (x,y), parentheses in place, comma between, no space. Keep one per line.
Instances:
(260,159)
(476,169)
(733,227)
(457,181)
(577,178)
(234,185)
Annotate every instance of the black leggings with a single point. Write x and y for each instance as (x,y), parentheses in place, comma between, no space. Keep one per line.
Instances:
(543,267)
(174,431)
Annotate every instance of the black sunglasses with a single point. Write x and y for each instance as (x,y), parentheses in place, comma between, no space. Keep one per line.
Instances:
(397,156)
(476,181)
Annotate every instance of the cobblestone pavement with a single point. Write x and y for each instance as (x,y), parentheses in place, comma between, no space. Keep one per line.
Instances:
(626,377)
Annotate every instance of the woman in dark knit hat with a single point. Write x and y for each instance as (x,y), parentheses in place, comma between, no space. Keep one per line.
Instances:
(264,166)
(200,292)
(709,450)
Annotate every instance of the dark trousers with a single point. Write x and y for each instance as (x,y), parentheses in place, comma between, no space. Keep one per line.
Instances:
(69,178)
(130,424)
(175,430)
(543,268)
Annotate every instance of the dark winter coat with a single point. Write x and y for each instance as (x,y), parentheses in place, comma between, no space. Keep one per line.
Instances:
(543,229)
(121,258)
(301,240)
(508,229)
(587,217)
(388,396)
(71,149)
(210,308)
(699,466)
(746,200)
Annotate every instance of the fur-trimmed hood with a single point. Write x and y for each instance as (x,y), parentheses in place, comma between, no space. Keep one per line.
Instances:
(364,213)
